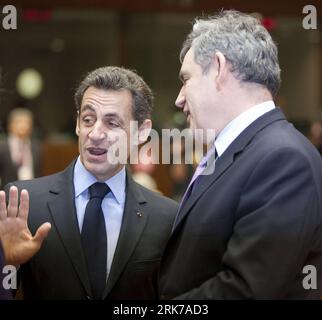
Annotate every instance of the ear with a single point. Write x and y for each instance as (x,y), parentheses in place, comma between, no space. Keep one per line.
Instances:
(221,67)
(144,130)
(77,125)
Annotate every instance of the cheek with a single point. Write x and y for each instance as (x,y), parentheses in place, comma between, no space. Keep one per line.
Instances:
(82,137)
(114,136)
(193,96)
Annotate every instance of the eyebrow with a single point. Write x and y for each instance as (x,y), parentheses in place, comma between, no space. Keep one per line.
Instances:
(87,107)
(109,115)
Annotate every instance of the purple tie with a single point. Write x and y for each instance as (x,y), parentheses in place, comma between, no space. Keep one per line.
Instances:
(200,171)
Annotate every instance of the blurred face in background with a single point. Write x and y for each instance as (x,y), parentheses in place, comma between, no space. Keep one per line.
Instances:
(21,126)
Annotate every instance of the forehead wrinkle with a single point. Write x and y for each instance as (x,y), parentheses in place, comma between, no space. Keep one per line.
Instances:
(102,100)
(93,104)
(108,105)
(87,107)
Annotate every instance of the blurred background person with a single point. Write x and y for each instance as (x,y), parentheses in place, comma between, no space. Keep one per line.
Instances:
(20,155)
(316,134)
(180,173)
(143,172)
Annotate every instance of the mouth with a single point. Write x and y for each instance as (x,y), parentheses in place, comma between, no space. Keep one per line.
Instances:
(96,153)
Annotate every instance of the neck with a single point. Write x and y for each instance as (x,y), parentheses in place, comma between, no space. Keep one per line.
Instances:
(245,97)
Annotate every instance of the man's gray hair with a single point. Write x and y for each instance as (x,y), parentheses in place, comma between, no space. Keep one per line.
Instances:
(245,43)
(116,78)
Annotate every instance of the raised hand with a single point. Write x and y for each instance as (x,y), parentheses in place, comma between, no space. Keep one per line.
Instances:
(17,241)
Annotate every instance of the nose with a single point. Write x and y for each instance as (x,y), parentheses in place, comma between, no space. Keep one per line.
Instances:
(98,132)
(180,101)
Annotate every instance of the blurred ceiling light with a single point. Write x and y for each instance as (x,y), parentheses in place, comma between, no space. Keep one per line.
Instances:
(37,15)
(269,23)
(29,83)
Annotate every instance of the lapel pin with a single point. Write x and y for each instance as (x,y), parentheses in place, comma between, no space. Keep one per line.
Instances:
(139,214)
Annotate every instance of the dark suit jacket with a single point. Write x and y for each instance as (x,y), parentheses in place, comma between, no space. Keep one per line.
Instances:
(250,227)
(58,270)
(8,169)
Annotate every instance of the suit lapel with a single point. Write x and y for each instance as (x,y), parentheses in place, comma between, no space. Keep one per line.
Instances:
(222,164)
(63,212)
(227,159)
(134,221)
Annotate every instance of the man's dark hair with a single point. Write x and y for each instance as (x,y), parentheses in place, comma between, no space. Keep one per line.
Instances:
(116,78)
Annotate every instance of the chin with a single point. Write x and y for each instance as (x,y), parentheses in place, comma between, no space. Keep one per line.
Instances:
(105,172)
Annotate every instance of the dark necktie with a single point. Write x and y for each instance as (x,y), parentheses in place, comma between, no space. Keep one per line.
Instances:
(94,238)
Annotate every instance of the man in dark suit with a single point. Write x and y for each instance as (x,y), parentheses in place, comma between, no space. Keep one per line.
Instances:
(132,223)
(20,155)
(251,229)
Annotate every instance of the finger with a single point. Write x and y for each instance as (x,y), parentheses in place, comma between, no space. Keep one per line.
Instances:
(42,233)
(13,202)
(24,205)
(3,205)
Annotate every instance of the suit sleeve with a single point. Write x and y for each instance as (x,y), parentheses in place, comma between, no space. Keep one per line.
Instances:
(277,216)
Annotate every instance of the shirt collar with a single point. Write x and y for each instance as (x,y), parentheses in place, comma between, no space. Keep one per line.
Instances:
(83,179)
(234,128)
(14,139)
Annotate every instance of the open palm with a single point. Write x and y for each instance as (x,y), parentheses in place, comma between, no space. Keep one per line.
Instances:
(19,245)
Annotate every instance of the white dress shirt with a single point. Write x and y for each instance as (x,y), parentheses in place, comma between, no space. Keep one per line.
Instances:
(21,155)
(112,204)
(234,128)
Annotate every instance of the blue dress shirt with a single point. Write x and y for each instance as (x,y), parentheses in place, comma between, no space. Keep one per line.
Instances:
(112,205)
